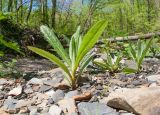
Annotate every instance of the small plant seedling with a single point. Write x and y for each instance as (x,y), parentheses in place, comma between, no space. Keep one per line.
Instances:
(138,54)
(79,55)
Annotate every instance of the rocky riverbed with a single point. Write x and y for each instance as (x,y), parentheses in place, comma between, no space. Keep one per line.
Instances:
(41,90)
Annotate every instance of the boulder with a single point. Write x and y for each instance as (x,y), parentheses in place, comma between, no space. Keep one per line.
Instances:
(143,101)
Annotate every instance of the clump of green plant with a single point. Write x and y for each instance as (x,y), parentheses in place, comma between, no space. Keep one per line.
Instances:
(111,63)
(79,55)
(137,53)
(155,49)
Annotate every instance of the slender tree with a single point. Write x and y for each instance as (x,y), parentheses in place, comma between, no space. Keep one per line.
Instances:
(29,11)
(54,2)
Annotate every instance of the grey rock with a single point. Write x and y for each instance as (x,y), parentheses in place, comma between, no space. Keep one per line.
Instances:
(9,106)
(154,78)
(95,108)
(24,103)
(2,94)
(35,81)
(68,106)
(136,82)
(52,82)
(71,94)
(44,88)
(33,110)
(99,87)
(58,95)
(28,89)
(55,110)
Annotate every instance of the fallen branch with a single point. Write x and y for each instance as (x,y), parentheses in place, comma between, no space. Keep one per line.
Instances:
(132,38)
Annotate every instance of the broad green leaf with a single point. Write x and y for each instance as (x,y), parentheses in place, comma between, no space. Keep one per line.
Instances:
(129,70)
(85,63)
(144,52)
(139,48)
(89,40)
(132,52)
(55,43)
(11,45)
(51,57)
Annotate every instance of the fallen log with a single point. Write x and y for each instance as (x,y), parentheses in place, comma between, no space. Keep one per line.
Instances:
(131,38)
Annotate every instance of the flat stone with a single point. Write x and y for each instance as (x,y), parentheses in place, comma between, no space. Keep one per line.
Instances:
(2,112)
(70,94)
(95,108)
(55,110)
(33,110)
(9,106)
(28,90)
(44,88)
(50,93)
(3,81)
(68,106)
(53,82)
(16,91)
(58,95)
(154,78)
(24,103)
(35,81)
(143,101)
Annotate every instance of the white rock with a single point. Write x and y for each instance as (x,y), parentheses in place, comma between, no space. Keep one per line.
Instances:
(36,81)
(50,93)
(16,91)
(55,110)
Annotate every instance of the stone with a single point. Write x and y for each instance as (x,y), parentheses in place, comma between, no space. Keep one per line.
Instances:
(2,112)
(70,94)
(44,88)
(52,82)
(95,108)
(144,101)
(2,95)
(68,106)
(35,81)
(35,88)
(3,81)
(55,110)
(9,106)
(153,85)
(154,78)
(16,91)
(23,110)
(28,90)
(43,104)
(33,110)
(50,93)
(24,103)
(99,87)
(84,96)
(58,95)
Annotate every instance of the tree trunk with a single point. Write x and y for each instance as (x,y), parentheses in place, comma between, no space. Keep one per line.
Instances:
(10,3)
(132,38)
(42,12)
(53,13)
(21,10)
(30,9)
